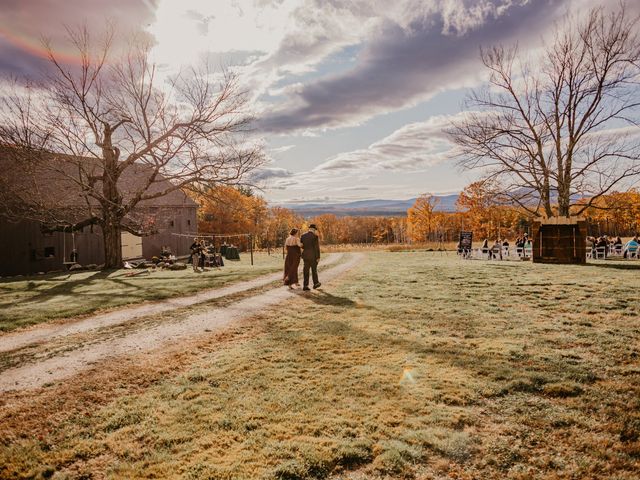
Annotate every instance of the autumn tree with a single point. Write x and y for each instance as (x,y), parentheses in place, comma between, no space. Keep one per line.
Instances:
(564,127)
(475,201)
(278,224)
(230,210)
(330,228)
(617,213)
(483,215)
(421,218)
(93,124)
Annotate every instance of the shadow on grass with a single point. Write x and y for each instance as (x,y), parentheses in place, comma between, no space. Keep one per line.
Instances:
(324,298)
(616,266)
(69,287)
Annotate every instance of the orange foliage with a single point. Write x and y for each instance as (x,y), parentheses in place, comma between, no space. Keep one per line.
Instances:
(421,218)
(228,210)
(486,219)
(615,214)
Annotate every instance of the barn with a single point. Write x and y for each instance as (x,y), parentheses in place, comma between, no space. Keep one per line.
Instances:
(28,247)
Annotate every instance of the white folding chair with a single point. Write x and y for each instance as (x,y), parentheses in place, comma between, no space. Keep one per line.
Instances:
(601,252)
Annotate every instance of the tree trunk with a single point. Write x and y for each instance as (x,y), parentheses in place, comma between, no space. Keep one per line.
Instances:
(112,210)
(546,197)
(564,201)
(112,244)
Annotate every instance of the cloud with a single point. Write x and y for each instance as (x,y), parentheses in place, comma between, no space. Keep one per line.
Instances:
(410,57)
(413,147)
(23,25)
(268,173)
(284,148)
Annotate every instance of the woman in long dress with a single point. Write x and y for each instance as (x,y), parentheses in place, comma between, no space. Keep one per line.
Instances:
(292,260)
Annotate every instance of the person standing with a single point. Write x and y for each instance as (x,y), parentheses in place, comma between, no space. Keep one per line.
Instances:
(196,252)
(292,261)
(310,256)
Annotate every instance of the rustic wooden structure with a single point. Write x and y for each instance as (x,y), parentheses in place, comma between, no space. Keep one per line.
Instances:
(28,247)
(559,240)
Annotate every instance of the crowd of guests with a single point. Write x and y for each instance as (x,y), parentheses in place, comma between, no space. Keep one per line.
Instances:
(602,246)
(201,251)
(605,246)
(500,247)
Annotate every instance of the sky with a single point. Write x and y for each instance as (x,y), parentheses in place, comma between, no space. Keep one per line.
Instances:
(350,97)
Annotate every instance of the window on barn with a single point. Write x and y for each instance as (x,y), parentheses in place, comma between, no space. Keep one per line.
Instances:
(33,255)
(188,222)
(171,223)
(49,252)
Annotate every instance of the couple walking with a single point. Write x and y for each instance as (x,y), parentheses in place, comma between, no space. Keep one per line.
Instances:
(308,247)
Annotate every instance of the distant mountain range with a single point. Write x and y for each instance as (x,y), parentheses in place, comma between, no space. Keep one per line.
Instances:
(446,203)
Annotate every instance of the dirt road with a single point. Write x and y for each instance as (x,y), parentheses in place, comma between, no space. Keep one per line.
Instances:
(183,326)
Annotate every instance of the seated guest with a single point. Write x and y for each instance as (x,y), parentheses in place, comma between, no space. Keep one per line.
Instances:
(602,244)
(631,247)
(591,244)
(496,250)
(505,246)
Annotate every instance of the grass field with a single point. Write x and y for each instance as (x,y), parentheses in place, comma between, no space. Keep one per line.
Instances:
(415,365)
(59,295)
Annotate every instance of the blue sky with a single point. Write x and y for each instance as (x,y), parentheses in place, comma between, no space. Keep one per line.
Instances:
(351,97)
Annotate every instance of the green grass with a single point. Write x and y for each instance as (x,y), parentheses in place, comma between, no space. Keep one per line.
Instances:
(47,297)
(416,365)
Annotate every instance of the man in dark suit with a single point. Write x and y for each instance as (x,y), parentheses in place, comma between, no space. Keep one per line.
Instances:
(310,256)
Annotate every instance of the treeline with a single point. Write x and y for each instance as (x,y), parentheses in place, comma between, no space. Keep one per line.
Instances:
(230,210)
(615,214)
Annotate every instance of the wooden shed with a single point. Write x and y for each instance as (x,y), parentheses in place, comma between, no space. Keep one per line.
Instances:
(559,240)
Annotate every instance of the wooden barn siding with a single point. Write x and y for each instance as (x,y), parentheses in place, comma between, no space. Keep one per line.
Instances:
(181,216)
(18,239)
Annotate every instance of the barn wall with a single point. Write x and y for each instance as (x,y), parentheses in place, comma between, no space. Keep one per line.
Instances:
(176,220)
(25,250)
(23,245)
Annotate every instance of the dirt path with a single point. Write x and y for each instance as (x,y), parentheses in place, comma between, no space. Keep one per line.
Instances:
(65,365)
(42,333)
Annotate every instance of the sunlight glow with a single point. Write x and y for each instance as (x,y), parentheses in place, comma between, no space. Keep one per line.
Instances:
(407,376)
(184,31)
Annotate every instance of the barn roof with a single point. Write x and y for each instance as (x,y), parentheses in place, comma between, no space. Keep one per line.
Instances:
(54,179)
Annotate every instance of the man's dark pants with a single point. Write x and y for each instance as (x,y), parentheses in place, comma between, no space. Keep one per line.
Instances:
(313,265)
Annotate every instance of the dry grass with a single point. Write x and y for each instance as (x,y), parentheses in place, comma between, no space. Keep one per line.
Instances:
(42,298)
(390,247)
(417,365)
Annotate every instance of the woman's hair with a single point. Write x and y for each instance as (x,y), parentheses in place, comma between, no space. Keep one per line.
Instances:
(293,231)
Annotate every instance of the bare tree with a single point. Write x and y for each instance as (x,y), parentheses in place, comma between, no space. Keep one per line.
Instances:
(87,130)
(564,127)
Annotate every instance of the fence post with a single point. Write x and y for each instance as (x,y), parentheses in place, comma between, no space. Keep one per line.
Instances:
(251,247)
